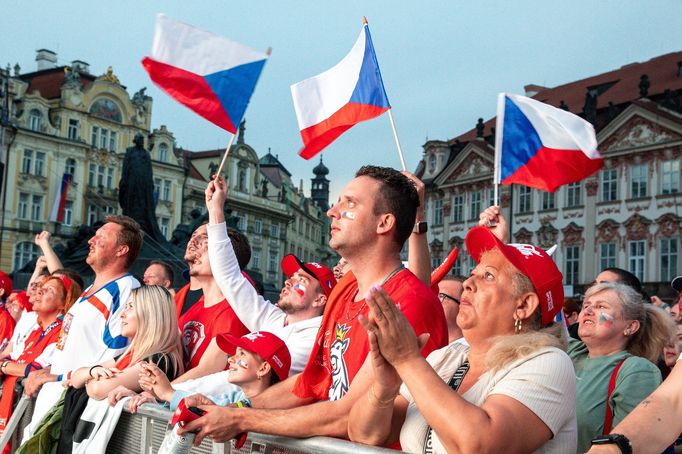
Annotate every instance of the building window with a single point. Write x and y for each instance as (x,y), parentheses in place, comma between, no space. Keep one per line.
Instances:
(637,258)
(163,152)
(68,213)
(435,262)
(241,221)
(166,189)
(572,268)
(607,255)
(274,230)
(27,161)
(157,188)
(92,171)
(164,226)
(547,200)
(573,196)
(638,180)
(438,212)
(670,177)
(258,226)
(609,185)
(35,119)
(37,208)
(92,214)
(40,164)
(272,261)
(668,256)
(432,163)
(112,141)
(471,263)
(95,135)
(70,167)
(24,253)
(457,268)
(475,210)
(103,138)
(100,176)
(458,208)
(22,206)
(73,129)
(255,258)
(525,198)
(110,177)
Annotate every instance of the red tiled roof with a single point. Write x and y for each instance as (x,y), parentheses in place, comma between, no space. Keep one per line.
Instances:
(50,81)
(662,72)
(194,173)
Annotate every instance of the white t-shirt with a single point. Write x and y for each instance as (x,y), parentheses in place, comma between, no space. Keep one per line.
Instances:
(254,311)
(25,326)
(544,382)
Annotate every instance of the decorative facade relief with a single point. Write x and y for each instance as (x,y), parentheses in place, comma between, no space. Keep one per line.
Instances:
(572,235)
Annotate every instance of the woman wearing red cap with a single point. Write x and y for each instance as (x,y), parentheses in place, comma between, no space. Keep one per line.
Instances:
(512,391)
(54,294)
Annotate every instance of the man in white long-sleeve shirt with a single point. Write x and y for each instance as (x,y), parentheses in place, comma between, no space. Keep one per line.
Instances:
(298,314)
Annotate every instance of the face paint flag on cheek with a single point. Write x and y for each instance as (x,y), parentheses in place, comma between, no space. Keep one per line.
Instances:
(605,318)
(243,364)
(300,289)
(348,215)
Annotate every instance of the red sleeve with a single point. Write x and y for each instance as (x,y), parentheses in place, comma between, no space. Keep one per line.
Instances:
(6,327)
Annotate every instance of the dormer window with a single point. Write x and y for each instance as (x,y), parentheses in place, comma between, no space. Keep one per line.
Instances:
(432,163)
(35,119)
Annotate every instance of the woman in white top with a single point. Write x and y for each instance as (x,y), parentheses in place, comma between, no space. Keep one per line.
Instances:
(513,391)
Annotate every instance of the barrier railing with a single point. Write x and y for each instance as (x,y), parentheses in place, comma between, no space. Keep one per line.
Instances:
(143,433)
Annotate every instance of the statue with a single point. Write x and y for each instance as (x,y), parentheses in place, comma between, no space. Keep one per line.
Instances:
(644,85)
(479,128)
(264,188)
(136,189)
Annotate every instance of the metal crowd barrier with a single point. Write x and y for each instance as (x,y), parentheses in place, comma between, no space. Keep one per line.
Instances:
(143,433)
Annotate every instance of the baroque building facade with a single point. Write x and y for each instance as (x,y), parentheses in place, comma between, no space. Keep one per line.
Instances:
(62,119)
(627,215)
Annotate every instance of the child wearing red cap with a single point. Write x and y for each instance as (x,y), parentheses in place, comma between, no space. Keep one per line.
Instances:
(257,361)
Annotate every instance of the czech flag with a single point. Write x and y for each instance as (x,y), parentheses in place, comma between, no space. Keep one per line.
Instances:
(210,74)
(332,102)
(541,146)
(57,211)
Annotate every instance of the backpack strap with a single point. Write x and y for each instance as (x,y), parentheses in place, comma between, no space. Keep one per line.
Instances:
(608,418)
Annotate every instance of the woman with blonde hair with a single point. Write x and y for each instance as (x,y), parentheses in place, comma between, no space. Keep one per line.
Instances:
(621,339)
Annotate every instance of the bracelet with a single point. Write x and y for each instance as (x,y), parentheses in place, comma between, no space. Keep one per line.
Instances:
(376,402)
(243,404)
(4,365)
(91,369)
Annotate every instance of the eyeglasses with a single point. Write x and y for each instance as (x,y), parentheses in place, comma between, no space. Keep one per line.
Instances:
(443,296)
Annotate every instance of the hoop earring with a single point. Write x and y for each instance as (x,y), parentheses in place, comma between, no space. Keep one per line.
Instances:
(517,325)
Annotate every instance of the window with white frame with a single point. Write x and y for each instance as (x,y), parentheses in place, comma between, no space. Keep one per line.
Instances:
(639,175)
(272,261)
(438,212)
(607,255)
(35,119)
(274,230)
(27,161)
(255,257)
(573,195)
(92,174)
(22,206)
(100,176)
(609,185)
(167,189)
(103,138)
(24,252)
(157,187)
(435,262)
(39,169)
(68,213)
(72,132)
(475,207)
(241,221)
(670,177)
(637,258)
(95,135)
(163,152)
(547,199)
(37,208)
(164,226)
(572,265)
(457,268)
(92,214)
(110,177)
(70,167)
(458,208)
(668,257)
(258,226)
(525,199)
(113,141)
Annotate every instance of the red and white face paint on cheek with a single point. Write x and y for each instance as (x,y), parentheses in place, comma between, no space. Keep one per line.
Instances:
(348,215)
(606,319)
(241,363)
(299,288)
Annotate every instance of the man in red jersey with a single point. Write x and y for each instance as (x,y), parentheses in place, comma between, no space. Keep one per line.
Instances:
(374,217)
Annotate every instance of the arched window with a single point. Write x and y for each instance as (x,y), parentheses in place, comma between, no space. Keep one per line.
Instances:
(163,152)
(70,167)
(35,119)
(25,252)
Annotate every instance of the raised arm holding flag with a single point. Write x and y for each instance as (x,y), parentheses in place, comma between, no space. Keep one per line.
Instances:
(212,75)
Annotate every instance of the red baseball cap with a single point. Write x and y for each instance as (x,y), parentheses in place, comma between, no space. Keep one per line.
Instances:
(531,261)
(268,346)
(5,283)
(325,276)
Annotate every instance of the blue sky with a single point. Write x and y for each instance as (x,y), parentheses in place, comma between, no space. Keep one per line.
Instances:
(443,62)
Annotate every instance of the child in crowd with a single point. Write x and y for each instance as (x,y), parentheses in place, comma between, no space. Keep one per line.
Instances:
(258,360)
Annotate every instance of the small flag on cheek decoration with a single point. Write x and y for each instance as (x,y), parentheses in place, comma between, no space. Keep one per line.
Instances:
(348,215)
(300,289)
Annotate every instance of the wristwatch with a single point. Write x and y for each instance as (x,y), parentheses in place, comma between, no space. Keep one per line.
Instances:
(420,227)
(619,440)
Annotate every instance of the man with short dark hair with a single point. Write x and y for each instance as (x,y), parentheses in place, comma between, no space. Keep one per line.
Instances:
(159,273)
(375,215)
(91,330)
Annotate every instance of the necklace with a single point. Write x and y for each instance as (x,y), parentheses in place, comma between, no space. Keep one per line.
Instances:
(364,301)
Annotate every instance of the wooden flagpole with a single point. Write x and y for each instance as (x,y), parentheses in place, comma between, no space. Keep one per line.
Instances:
(222,163)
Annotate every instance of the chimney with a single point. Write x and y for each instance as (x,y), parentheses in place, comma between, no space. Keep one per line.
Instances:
(80,66)
(46,59)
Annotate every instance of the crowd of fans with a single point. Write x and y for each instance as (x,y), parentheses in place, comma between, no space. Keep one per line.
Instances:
(370,350)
